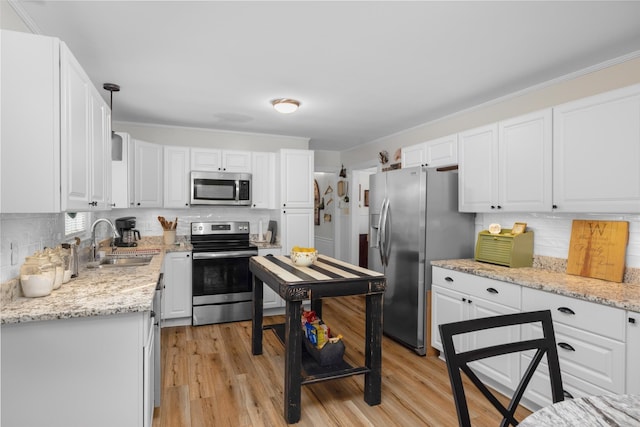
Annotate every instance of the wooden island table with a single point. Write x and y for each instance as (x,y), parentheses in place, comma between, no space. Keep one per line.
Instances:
(326,278)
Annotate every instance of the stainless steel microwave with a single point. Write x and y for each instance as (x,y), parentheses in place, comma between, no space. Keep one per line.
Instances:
(220,188)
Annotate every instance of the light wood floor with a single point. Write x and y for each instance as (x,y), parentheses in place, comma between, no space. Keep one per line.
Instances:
(211,379)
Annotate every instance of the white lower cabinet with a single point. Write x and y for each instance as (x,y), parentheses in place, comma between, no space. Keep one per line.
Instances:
(271,301)
(591,348)
(148,373)
(177,300)
(633,352)
(88,371)
(598,345)
(460,296)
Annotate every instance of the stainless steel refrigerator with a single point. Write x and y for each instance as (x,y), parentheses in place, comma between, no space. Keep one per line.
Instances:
(414,219)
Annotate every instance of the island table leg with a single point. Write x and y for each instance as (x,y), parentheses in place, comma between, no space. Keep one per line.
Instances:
(373,350)
(292,362)
(256,321)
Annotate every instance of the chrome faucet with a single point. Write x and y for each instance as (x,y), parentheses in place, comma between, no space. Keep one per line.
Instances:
(94,247)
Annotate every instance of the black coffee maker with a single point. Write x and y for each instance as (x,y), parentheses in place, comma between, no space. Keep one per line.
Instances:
(126,227)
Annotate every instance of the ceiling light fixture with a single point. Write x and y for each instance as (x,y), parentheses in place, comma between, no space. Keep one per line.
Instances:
(285,105)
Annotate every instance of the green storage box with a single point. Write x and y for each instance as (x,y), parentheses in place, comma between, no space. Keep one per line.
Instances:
(505,248)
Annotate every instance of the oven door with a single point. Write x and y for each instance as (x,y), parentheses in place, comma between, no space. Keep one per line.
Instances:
(221,277)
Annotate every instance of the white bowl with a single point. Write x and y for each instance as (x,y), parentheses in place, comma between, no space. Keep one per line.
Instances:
(304,259)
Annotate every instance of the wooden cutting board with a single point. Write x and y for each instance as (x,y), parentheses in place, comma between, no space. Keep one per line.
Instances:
(598,248)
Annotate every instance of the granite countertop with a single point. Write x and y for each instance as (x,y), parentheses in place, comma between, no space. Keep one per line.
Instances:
(96,291)
(621,295)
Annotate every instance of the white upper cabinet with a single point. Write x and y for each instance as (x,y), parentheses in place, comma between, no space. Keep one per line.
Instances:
(206,159)
(148,174)
(434,153)
(176,177)
(100,178)
(296,178)
(55,130)
(263,180)
(30,149)
(86,140)
(478,169)
(506,166)
(596,153)
(76,149)
(236,161)
(525,162)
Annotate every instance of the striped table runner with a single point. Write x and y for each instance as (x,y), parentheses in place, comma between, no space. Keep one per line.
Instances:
(324,269)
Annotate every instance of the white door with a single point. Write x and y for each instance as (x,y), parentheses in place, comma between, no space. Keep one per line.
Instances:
(478,170)
(297,229)
(447,306)
(176,177)
(296,178)
(596,153)
(525,163)
(148,174)
(177,301)
(75,131)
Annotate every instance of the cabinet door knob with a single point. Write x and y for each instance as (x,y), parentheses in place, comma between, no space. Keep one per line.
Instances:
(554,206)
(632,320)
(493,207)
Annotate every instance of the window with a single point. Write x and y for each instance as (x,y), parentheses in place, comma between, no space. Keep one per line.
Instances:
(75,223)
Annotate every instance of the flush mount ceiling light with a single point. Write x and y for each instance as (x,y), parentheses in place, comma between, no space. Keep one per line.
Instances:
(285,105)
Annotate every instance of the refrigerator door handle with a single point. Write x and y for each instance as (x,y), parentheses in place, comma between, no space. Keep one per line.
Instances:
(387,232)
(383,232)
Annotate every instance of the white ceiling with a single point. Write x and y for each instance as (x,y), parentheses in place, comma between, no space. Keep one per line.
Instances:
(362,70)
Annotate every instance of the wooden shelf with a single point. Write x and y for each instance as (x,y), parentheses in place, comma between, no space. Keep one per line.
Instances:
(312,372)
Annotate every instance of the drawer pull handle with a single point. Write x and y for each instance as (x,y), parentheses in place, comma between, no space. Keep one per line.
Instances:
(566,346)
(492,290)
(448,279)
(566,310)
(567,394)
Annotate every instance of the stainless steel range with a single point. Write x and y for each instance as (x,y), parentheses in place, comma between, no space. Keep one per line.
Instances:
(221,281)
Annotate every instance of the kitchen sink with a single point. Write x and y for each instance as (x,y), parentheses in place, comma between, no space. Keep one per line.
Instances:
(125,261)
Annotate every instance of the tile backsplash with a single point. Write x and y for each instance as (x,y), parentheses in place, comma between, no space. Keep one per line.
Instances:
(552,231)
(23,234)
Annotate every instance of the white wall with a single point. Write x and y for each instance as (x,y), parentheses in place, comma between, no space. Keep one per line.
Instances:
(210,138)
(552,231)
(597,79)
(9,20)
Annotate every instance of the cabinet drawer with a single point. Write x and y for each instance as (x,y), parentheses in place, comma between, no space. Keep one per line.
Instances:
(539,389)
(596,318)
(593,358)
(491,290)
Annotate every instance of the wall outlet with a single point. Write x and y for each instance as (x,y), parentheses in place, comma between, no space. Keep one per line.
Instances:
(14,253)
